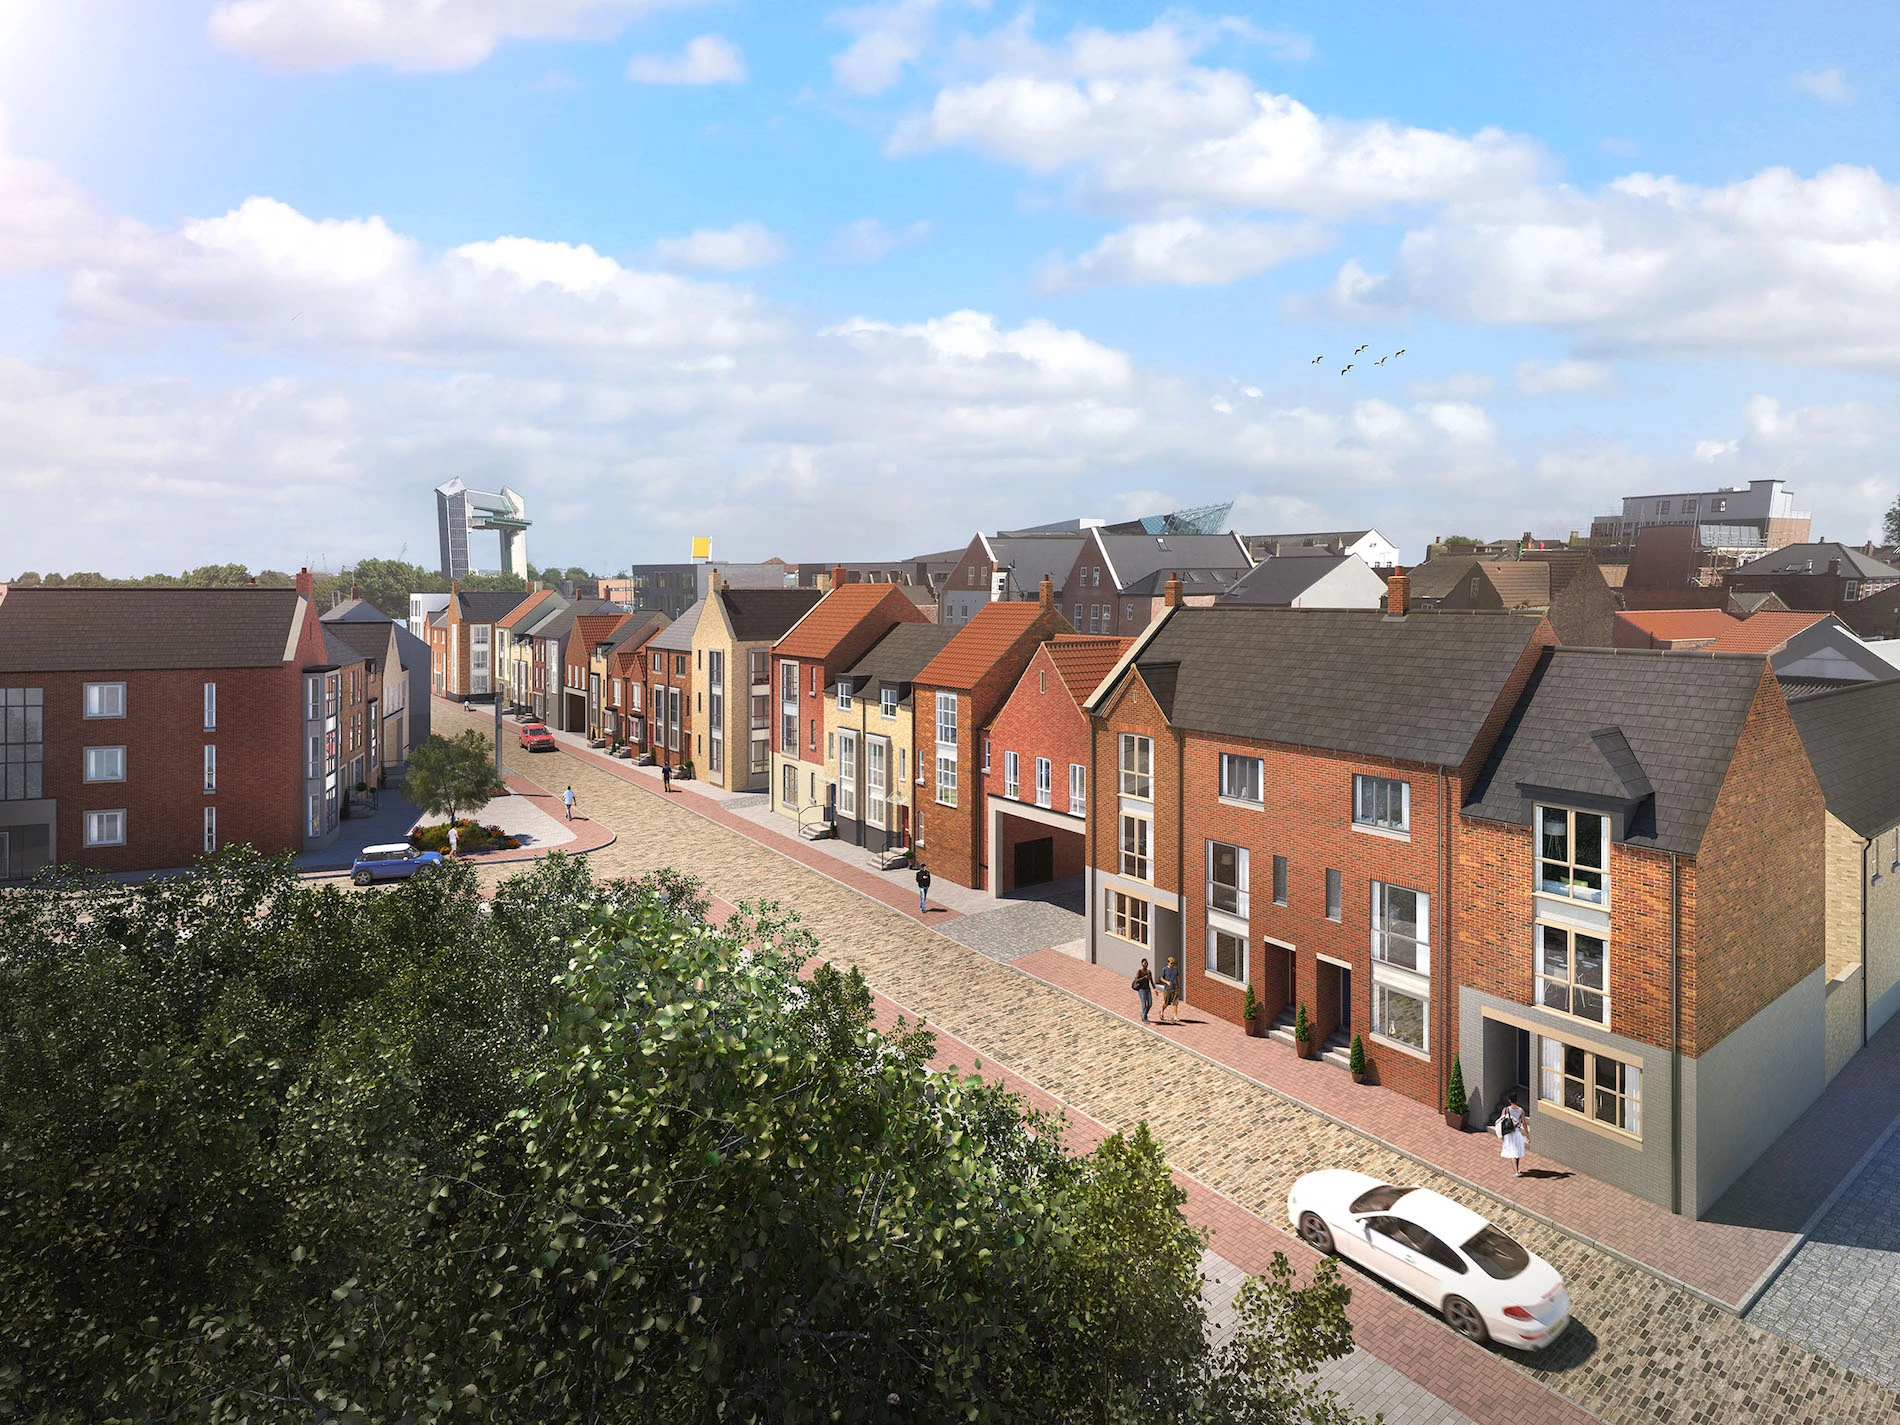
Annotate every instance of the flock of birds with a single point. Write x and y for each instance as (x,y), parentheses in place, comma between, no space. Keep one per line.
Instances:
(1356,350)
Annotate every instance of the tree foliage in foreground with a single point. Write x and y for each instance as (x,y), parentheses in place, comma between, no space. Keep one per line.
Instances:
(275,1152)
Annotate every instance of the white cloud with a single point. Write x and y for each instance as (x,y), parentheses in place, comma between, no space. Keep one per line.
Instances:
(269,276)
(872,240)
(1459,386)
(1805,270)
(1186,250)
(1710,451)
(295,35)
(732,249)
(1830,86)
(707,59)
(1543,378)
(1136,124)
(887,38)
(46,220)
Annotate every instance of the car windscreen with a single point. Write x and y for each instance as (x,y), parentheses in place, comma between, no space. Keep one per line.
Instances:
(1378,1199)
(1498,1255)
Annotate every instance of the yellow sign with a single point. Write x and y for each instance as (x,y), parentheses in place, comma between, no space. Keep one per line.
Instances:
(702,546)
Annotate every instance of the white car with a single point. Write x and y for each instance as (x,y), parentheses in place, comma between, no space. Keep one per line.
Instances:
(1482,1282)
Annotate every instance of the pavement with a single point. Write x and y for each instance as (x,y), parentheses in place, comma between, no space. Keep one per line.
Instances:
(1642,1349)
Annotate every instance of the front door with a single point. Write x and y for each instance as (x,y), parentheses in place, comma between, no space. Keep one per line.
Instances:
(1035,862)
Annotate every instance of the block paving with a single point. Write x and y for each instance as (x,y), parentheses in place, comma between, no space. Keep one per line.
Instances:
(1640,1350)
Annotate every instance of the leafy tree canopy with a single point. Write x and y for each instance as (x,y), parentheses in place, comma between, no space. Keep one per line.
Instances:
(273,1151)
(447,777)
(1890,524)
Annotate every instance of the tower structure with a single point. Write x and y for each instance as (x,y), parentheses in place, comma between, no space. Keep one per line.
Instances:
(460,512)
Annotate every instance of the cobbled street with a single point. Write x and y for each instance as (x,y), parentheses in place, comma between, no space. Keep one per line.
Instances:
(1639,1351)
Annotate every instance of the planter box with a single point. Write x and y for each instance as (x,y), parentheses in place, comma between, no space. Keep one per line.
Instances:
(1304,1047)
(1358,1078)
(1256,1027)
(1455,1120)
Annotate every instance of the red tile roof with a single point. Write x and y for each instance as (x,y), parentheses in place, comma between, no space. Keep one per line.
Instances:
(833,618)
(1765,632)
(590,629)
(1083,660)
(524,608)
(980,642)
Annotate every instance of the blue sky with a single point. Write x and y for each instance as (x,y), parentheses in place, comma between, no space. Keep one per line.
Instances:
(853,282)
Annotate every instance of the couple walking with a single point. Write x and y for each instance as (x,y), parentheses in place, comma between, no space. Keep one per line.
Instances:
(1144,986)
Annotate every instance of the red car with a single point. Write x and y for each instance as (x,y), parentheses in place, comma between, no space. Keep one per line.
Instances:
(536,738)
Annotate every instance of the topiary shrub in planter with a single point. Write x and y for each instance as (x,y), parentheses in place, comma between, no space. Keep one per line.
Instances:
(1250,1013)
(1456,1104)
(1356,1060)
(1302,1033)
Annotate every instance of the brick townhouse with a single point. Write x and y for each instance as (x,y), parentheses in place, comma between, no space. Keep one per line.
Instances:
(669,676)
(356,737)
(620,668)
(140,728)
(869,735)
(956,695)
(1638,937)
(412,659)
(382,711)
(584,660)
(732,671)
(514,648)
(462,642)
(1276,806)
(1116,582)
(806,665)
(1565,586)
(1037,789)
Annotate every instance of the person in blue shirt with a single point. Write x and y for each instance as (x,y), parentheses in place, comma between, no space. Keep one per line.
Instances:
(1171,991)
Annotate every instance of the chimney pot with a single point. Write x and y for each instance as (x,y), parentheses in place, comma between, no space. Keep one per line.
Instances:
(306,585)
(1398,594)
(837,576)
(1834,567)
(1171,591)
(1046,593)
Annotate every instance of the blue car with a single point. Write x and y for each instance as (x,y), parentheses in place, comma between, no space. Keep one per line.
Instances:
(397,861)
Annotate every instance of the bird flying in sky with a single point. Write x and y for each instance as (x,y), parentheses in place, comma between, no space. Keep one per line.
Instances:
(1347,367)
(1382,361)
(1399,352)
(1316,360)
(1357,349)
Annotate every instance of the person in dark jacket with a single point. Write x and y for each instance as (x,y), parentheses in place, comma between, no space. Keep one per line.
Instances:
(1144,985)
(923,890)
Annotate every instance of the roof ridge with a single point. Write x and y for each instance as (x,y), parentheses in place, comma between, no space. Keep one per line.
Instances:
(1659,652)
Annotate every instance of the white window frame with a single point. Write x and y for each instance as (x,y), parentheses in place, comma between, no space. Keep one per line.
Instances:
(844,695)
(1012,770)
(877,769)
(211,707)
(1137,766)
(848,775)
(1388,944)
(1550,1094)
(1126,917)
(211,830)
(946,780)
(1136,846)
(946,719)
(1234,779)
(887,701)
(1386,981)
(1568,984)
(1216,891)
(1215,934)
(1045,782)
(211,767)
(1568,886)
(105,700)
(95,823)
(1078,789)
(92,764)
(1367,793)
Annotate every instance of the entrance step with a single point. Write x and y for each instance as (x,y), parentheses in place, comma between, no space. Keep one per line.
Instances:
(1281,1030)
(1338,1048)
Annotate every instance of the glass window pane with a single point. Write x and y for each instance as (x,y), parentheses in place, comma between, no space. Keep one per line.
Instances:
(1588,1004)
(1590,838)
(1556,842)
(1556,952)
(1590,962)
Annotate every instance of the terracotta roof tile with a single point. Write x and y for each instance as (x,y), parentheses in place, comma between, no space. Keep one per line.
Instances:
(1765,632)
(980,642)
(526,607)
(1083,660)
(834,617)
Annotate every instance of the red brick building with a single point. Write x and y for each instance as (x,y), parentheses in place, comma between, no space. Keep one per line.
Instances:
(1276,803)
(1037,786)
(669,675)
(140,728)
(463,643)
(955,696)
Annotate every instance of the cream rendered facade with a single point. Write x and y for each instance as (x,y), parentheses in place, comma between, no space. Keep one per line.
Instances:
(1863,937)
(868,773)
(728,751)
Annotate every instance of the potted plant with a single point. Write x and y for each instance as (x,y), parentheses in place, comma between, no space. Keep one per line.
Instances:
(1302,1033)
(1455,1102)
(346,804)
(1356,1060)
(1250,1014)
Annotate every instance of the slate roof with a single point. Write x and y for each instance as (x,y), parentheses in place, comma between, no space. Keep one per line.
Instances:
(369,640)
(355,611)
(1082,660)
(1136,558)
(979,643)
(80,630)
(833,619)
(1849,738)
(1416,688)
(1282,578)
(541,599)
(1202,580)
(336,651)
(1635,725)
(677,636)
(900,655)
(764,615)
(1521,583)
(1814,558)
(1030,556)
(487,606)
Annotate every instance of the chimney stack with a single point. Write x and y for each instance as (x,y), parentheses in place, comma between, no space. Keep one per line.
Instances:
(353,593)
(1398,594)
(1171,591)
(837,576)
(306,585)
(1046,593)
(1834,568)
(712,581)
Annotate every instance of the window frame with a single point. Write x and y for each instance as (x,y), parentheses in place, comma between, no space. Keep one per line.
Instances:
(1136,850)
(211,707)
(1234,761)
(1238,890)
(96,695)
(1541,857)
(1368,791)
(1335,896)
(844,695)
(1045,782)
(1571,985)
(86,765)
(1282,877)
(1012,776)
(946,719)
(1078,789)
(946,781)
(1590,1085)
(887,700)
(88,826)
(1211,967)
(211,768)
(211,830)
(1123,912)
(848,775)
(1382,935)
(1135,781)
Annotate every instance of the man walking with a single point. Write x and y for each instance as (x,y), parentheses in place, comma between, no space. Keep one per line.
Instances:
(1171,992)
(666,777)
(454,840)
(568,797)
(923,890)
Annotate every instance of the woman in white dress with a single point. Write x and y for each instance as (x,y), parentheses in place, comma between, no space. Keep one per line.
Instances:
(1513,1131)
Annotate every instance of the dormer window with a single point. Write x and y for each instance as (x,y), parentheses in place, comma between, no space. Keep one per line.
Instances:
(1573,854)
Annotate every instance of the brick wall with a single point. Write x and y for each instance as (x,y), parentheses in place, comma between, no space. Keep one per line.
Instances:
(1040,718)
(1132,709)
(1763,906)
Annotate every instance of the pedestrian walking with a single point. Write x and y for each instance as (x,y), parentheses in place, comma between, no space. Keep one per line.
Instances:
(568,797)
(666,776)
(454,839)
(923,890)
(1513,1134)
(1171,992)
(1144,986)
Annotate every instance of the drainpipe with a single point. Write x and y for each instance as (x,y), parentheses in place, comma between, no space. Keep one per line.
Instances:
(1090,841)
(1444,921)
(1180,851)
(1873,845)
(1675,1040)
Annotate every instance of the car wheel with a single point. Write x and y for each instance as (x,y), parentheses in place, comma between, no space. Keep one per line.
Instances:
(1463,1318)
(1314,1232)
(362,878)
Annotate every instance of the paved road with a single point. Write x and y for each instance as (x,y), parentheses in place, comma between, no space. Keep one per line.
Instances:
(1640,1352)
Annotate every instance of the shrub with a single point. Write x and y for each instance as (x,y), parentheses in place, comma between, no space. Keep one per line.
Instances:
(1302,1029)
(470,836)
(1356,1056)
(1249,1007)
(1455,1101)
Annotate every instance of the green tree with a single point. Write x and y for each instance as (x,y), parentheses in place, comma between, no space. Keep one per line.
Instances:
(216,576)
(1890,524)
(447,777)
(274,1151)
(27,580)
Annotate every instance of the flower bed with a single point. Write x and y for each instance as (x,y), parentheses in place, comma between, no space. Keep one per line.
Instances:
(471,836)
